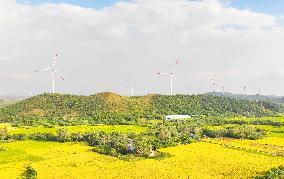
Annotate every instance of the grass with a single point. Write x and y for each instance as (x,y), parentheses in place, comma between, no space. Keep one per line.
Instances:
(75,160)
(75,129)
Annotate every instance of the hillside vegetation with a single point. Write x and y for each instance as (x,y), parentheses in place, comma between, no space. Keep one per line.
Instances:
(110,108)
(256,97)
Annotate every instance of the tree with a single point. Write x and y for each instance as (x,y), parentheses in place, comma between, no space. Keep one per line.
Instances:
(29,173)
(3,133)
(62,134)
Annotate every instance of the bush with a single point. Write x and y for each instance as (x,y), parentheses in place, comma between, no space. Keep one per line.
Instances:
(2,149)
(238,132)
(3,133)
(62,134)
(29,173)
(276,173)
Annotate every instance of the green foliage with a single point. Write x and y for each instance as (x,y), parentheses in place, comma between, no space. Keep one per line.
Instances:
(274,173)
(2,149)
(238,132)
(210,106)
(3,133)
(29,173)
(62,134)
(256,97)
(109,108)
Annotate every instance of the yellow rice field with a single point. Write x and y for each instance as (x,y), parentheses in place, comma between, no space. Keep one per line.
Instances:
(75,160)
(74,129)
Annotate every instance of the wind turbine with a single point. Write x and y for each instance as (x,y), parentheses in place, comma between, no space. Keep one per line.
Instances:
(245,90)
(132,87)
(171,75)
(52,71)
(213,83)
(259,94)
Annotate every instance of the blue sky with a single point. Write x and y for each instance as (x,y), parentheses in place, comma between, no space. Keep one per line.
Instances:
(97,4)
(275,7)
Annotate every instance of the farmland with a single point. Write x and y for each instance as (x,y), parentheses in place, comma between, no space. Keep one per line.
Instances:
(73,129)
(73,160)
(208,158)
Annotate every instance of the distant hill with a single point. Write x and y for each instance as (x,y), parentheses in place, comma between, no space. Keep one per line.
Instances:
(269,98)
(111,108)
(5,102)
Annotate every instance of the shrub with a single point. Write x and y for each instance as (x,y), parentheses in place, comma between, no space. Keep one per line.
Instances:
(238,132)
(62,134)
(29,173)
(277,173)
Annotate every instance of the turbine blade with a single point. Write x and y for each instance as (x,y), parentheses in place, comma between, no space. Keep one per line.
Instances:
(40,70)
(54,69)
(164,73)
(177,60)
(61,77)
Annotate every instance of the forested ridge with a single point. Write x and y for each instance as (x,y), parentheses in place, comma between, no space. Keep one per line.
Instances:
(110,108)
(256,97)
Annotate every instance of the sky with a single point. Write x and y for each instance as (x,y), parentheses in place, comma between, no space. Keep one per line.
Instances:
(275,7)
(96,4)
(111,45)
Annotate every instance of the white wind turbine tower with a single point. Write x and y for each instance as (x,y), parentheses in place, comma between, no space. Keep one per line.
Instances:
(52,71)
(213,83)
(132,87)
(223,88)
(259,93)
(245,90)
(171,75)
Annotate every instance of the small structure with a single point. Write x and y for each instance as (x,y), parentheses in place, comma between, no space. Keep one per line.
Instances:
(176,117)
(130,146)
(152,154)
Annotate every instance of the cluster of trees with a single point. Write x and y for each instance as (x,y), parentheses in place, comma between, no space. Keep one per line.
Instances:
(238,132)
(109,108)
(276,172)
(221,120)
(160,135)
(255,122)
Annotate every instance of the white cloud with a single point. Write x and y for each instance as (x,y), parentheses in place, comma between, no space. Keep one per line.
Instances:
(100,49)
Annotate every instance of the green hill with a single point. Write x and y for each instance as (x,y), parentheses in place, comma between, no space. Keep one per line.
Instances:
(110,108)
(256,97)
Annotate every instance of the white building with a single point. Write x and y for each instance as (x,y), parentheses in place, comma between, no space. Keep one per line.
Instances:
(175,117)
